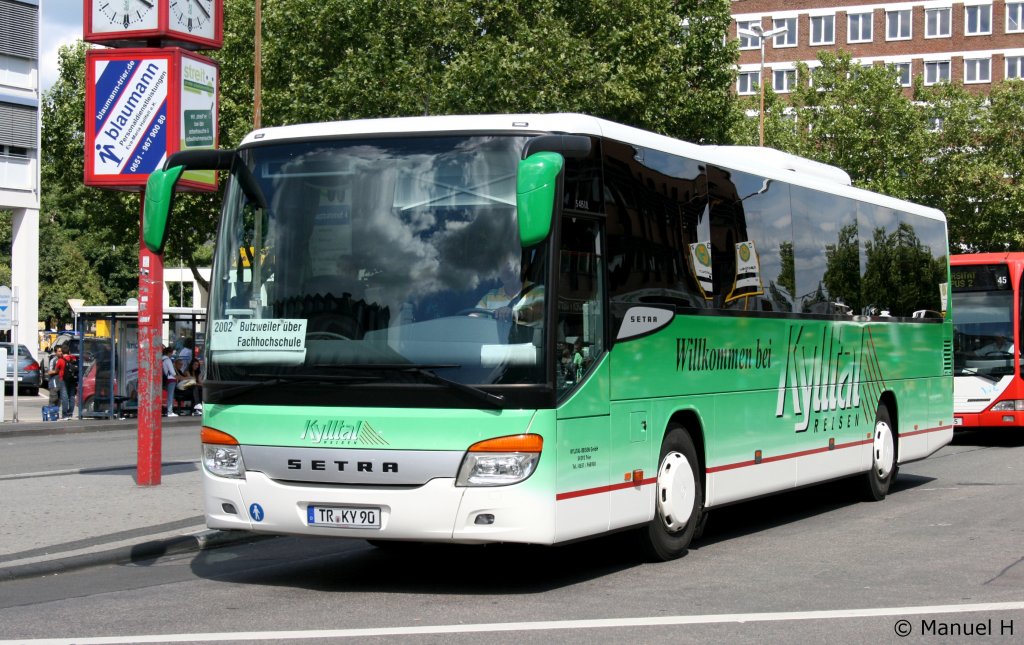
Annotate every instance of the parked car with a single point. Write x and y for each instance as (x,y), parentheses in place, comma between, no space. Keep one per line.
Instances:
(30,377)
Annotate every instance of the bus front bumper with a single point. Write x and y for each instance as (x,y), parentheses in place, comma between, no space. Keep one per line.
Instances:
(437,511)
(987,419)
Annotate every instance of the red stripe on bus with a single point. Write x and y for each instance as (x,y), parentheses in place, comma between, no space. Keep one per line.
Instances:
(604,489)
(926,430)
(742,464)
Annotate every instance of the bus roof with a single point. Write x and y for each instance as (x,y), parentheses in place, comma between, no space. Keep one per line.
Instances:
(764,162)
(1001,257)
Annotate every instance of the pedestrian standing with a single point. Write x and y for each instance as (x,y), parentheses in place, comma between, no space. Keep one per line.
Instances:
(67,367)
(53,375)
(170,378)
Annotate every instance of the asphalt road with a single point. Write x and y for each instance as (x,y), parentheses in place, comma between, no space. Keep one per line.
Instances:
(816,565)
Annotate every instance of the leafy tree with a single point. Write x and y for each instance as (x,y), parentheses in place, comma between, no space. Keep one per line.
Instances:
(6,239)
(857,118)
(975,172)
(661,65)
(88,238)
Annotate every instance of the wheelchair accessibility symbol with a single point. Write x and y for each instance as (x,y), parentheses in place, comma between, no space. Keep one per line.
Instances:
(256,512)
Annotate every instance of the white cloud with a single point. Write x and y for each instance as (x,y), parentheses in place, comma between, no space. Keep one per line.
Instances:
(53,39)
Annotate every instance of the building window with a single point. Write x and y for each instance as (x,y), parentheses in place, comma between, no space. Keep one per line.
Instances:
(904,72)
(748,42)
(859,27)
(13,151)
(977,70)
(1014,67)
(936,71)
(1014,17)
(823,30)
(787,38)
(935,123)
(747,81)
(979,19)
(897,24)
(784,80)
(938,23)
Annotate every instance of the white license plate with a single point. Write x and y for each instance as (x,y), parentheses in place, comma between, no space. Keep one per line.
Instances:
(958,421)
(343,517)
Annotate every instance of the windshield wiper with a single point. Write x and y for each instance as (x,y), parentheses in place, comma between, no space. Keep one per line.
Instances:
(427,371)
(271,380)
(985,375)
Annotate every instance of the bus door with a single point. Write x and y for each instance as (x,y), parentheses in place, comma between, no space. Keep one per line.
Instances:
(585,454)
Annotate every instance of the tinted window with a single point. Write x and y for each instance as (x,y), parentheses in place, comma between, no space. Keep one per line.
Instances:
(823,226)
(877,227)
(655,203)
(753,235)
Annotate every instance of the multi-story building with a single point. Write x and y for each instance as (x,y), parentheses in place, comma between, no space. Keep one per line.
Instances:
(19,155)
(974,42)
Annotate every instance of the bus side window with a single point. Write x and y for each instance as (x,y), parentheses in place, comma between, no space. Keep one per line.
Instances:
(580,298)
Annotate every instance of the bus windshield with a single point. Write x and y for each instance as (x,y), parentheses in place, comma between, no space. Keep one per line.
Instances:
(983,322)
(376,260)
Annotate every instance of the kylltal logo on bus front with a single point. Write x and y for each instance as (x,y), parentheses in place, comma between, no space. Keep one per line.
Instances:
(340,432)
(821,378)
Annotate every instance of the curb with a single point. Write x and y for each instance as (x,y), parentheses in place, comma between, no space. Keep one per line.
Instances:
(201,541)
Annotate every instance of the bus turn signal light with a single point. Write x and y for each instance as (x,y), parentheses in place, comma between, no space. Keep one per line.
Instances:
(511,443)
(209,435)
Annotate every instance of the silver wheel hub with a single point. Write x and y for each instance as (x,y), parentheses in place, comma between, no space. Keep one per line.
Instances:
(675,491)
(883,450)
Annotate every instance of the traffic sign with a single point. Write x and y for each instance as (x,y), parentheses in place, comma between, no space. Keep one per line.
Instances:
(5,307)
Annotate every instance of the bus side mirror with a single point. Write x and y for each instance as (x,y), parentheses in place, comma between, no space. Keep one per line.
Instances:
(159,196)
(160,190)
(536,190)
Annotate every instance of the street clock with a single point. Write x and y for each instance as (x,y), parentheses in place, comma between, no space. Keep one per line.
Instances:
(191,24)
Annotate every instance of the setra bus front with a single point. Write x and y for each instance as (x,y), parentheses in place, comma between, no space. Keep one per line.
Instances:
(379,358)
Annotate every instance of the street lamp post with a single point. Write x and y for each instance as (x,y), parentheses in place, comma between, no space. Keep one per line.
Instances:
(757,31)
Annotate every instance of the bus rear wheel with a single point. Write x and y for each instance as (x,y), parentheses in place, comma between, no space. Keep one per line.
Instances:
(883,457)
(678,507)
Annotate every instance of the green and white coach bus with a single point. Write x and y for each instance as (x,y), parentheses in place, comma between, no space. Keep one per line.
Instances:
(538,328)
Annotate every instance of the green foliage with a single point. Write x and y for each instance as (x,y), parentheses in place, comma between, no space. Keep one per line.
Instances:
(857,118)
(861,120)
(631,61)
(88,238)
(975,172)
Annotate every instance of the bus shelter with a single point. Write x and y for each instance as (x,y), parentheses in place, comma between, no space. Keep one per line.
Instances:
(109,355)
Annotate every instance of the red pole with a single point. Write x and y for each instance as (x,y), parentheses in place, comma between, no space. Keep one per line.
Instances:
(151,394)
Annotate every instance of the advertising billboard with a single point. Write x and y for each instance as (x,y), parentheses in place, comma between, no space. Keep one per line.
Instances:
(143,105)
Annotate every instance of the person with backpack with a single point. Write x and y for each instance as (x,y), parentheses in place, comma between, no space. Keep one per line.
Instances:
(67,368)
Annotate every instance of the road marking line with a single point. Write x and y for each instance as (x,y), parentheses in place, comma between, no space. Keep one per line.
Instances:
(600,623)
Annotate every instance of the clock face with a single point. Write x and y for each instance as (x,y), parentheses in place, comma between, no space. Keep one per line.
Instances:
(195,17)
(112,16)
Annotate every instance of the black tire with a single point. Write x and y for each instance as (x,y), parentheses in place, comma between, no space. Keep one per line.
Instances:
(883,457)
(31,391)
(680,486)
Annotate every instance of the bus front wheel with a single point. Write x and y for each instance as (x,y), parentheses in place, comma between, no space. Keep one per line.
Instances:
(678,507)
(883,457)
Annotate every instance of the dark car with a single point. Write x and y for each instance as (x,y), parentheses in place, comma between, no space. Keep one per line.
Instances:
(30,377)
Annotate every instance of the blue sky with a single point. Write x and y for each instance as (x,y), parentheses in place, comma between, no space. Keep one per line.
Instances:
(61,25)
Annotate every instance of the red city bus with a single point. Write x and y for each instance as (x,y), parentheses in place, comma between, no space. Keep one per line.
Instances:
(987,386)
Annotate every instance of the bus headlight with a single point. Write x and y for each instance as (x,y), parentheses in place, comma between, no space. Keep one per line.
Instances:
(501,461)
(1009,406)
(222,456)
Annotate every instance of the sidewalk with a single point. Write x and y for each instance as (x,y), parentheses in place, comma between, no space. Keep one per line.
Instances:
(106,515)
